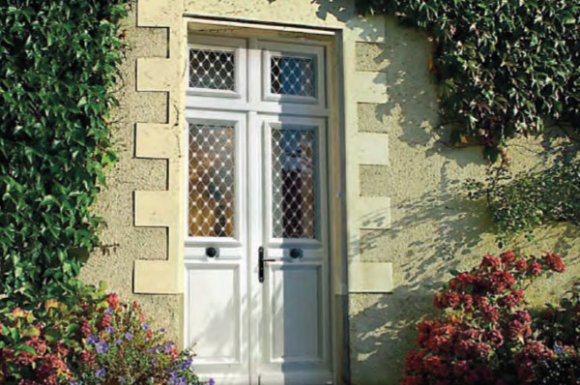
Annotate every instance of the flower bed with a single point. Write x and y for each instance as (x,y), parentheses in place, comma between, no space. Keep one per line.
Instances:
(487,336)
(91,338)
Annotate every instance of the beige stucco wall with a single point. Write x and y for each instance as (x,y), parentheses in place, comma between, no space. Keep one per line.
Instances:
(433,228)
(409,182)
(123,242)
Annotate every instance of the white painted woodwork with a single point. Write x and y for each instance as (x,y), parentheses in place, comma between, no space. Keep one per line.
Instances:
(243,331)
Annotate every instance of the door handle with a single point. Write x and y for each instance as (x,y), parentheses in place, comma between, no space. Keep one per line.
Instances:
(261,263)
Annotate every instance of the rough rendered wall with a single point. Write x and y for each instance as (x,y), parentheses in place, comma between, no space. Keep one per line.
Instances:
(432,229)
(123,242)
(389,95)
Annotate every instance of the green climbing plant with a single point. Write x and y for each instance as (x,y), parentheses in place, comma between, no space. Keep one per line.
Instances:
(504,69)
(504,66)
(58,70)
(530,199)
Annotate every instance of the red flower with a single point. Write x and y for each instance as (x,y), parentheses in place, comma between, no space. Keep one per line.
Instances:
(521,264)
(86,329)
(462,280)
(535,268)
(524,316)
(508,258)
(468,346)
(451,299)
(414,361)
(88,356)
(467,301)
(38,344)
(460,368)
(490,261)
(512,299)
(495,337)
(113,300)
(532,353)
(554,262)
(411,380)
(502,280)
(25,359)
(105,321)
(490,312)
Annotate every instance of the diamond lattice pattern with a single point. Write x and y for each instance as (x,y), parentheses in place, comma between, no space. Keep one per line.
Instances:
(292,75)
(213,69)
(294,175)
(211,180)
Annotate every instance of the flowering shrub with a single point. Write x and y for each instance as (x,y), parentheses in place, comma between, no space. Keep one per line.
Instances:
(559,326)
(93,338)
(486,335)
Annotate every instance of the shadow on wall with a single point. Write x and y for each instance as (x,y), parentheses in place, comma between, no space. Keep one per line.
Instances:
(433,229)
(422,243)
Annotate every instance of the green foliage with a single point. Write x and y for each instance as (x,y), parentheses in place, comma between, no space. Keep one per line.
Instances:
(559,324)
(58,64)
(504,65)
(88,337)
(531,198)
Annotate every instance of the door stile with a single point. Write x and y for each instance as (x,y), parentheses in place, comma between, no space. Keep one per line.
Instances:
(254,193)
(255,241)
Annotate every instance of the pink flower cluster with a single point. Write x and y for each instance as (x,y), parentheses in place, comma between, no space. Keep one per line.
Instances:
(485,322)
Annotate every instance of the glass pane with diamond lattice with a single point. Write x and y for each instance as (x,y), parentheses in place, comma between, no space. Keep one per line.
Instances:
(212,69)
(211,180)
(294,179)
(292,76)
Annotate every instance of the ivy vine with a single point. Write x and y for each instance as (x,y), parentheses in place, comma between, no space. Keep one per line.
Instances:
(58,68)
(504,66)
(530,199)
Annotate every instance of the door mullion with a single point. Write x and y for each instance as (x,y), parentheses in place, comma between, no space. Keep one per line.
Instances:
(254,215)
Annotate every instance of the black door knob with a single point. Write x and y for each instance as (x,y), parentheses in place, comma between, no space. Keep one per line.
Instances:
(211,252)
(295,253)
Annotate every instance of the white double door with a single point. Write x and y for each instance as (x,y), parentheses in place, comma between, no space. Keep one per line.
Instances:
(256,258)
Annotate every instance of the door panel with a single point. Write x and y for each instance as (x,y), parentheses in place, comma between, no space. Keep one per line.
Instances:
(294,297)
(296,333)
(217,336)
(216,246)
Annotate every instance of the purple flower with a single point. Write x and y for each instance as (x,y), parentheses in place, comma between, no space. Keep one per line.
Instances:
(186,363)
(162,330)
(211,381)
(119,342)
(122,380)
(109,329)
(100,373)
(154,360)
(128,336)
(168,347)
(109,310)
(145,326)
(92,340)
(558,349)
(102,347)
